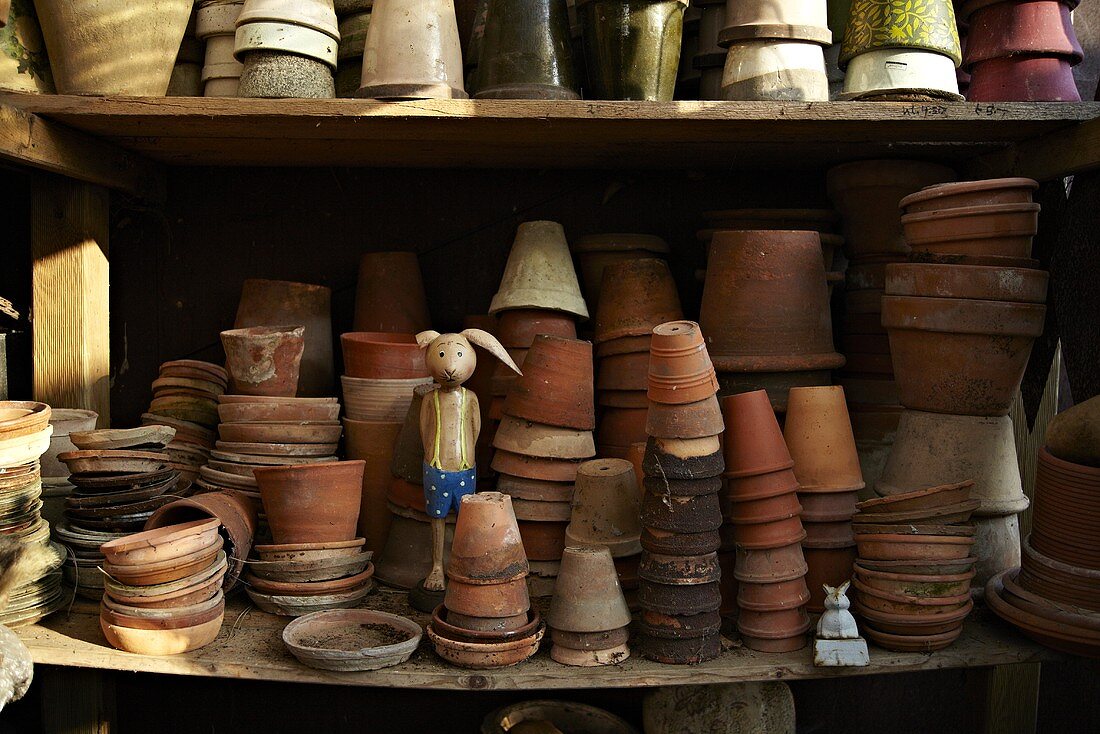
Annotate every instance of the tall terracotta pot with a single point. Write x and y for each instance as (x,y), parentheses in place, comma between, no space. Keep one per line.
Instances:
(113,46)
(525,52)
(373,442)
(390,294)
(632,47)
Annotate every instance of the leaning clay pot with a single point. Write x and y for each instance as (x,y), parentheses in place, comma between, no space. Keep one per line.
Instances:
(632,47)
(775,70)
(312,502)
(413,51)
(595,253)
(380,355)
(753,441)
(556,385)
(587,595)
(930,280)
(680,370)
(1023,79)
(606,508)
(970,193)
(749,19)
(1021,28)
(539,272)
(264,360)
(621,313)
(102,47)
(818,433)
(487,548)
(526,52)
(389,296)
(960,356)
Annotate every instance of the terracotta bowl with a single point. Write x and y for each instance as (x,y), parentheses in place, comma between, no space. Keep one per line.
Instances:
(484,656)
(164,572)
(370,649)
(278,412)
(161,642)
(113,462)
(1002,230)
(893,547)
(883,601)
(466,634)
(921,499)
(970,193)
(916,585)
(1020,285)
(906,624)
(912,643)
(375,355)
(163,544)
(171,619)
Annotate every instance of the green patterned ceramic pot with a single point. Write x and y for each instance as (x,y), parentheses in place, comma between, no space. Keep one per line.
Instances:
(632,47)
(928,25)
(525,51)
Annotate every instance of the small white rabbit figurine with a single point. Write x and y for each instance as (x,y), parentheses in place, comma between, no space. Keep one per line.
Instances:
(837,623)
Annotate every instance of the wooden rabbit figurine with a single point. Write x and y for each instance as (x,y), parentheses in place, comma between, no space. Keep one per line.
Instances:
(450,421)
(838,643)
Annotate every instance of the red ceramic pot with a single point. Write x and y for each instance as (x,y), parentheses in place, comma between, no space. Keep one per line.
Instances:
(636,295)
(383,356)
(1023,79)
(596,253)
(999,229)
(926,280)
(518,328)
(312,503)
(1015,27)
(770,565)
(960,356)
(774,631)
(753,442)
(556,387)
(832,566)
(970,193)
(531,467)
(390,294)
(766,303)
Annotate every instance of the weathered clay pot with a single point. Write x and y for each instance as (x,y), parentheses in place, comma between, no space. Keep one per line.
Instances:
(587,595)
(818,433)
(382,355)
(928,280)
(487,548)
(264,360)
(518,328)
(606,507)
(679,570)
(998,229)
(749,19)
(390,295)
(875,25)
(782,70)
(819,507)
(1023,79)
(272,302)
(1019,28)
(764,509)
(680,600)
(594,253)
(103,47)
(889,74)
(672,543)
(681,514)
(677,651)
(960,356)
(622,313)
(774,596)
(373,442)
(539,273)
(867,193)
(765,303)
(507,599)
(890,547)
(413,52)
(1054,627)
(663,462)
(774,631)
(312,502)
(680,370)
(632,47)
(624,372)
(543,541)
(774,532)
(274,66)
(526,52)
(987,192)
(759,487)
(556,387)
(532,467)
(697,420)
(753,441)
(536,439)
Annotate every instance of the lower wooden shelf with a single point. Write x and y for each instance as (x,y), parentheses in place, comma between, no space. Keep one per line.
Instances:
(250,647)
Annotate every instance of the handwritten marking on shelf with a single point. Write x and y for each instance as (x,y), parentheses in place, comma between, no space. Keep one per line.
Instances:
(990,110)
(925,110)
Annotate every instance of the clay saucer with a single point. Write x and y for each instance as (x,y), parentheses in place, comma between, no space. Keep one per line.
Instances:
(161,642)
(912,643)
(194,432)
(281,433)
(208,369)
(883,601)
(162,544)
(310,588)
(272,400)
(278,449)
(113,510)
(113,462)
(175,621)
(942,515)
(230,467)
(483,655)
(233,412)
(254,460)
(304,552)
(164,572)
(312,571)
(145,438)
(352,639)
(918,548)
(956,531)
(927,568)
(440,617)
(187,596)
(916,585)
(216,599)
(232,480)
(921,499)
(907,624)
(22,418)
(1041,606)
(297,606)
(157,592)
(102,484)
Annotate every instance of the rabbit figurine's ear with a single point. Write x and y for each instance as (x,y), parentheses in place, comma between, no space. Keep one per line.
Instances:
(425,338)
(844,587)
(487,341)
(829,590)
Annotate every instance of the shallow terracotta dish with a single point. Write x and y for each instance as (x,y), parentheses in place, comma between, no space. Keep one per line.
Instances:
(167,619)
(287,432)
(352,639)
(883,601)
(954,531)
(113,462)
(273,412)
(231,480)
(929,568)
(304,552)
(171,589)
(296,606)
(149,438)
(970,193)
(309,571)
(921,499)
(916,585)
(482,655)
(22,418)
(161,642)
(279,449)
(893,547)
(310,588)
(907,624)
(162,544)
(445,625)
(944,515)
(164,572)
(912,643)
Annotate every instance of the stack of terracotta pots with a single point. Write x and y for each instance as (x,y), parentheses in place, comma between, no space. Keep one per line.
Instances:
(486,620)
(595,253)
(405,557)
(287,49)
(915,567)
(183,395)
(1021,50)
(316,562)
(680,574)
(961,331)
(55,475)
(709,59)
(775,50)
(766,311)
(606,512)
(866,193)
(819,436)
(381,369)
(589,619)
(1055,597)
(354,20)
(216,24)
(163,589)
(24,437)
(544,436)
(389,295)
(638,295)
(117,488)
(762,506)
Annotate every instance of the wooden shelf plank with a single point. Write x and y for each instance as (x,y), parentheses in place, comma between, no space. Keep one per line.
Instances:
(1062,152)
(250,647)
(525,134)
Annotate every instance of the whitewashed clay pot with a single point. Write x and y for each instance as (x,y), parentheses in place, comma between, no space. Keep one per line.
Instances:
(803,20)
(216,23)
(997,546)
(24,66)
(316,14)
(286,38)
(780,70)
(100,47)
(901,71)
(413,51)
(540,273)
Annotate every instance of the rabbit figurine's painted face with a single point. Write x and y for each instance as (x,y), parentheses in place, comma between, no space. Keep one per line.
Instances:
(450,358)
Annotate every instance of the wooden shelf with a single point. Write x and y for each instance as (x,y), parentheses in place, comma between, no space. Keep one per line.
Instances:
(250,647)
(528,134)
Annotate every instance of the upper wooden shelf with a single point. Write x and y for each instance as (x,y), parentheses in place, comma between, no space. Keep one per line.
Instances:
(528,134)
(250,647)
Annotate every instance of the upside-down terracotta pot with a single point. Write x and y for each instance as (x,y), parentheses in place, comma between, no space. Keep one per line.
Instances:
(595,253)
(539,273)
(543,541)
(382,356)
(773,597)
(390,295)
(273,302)
(606,507)
(1020,27)
(526,52)
(759,487)
(374,443)
(930,280)
(487,548)
(637,295)
(664,460)
(518,328)
(492,601)
(818,433)
(985,192)
(745,512)
(533,467)
(413,52)
(628,372)
(1023,79)
(813,220)
(774,631)
(750,19)
(313,502)
(679,514)
(1004,230)
(264,360)
(680,370)
(539,440)
(960,356)
(820,507)
(622,427)
(556,387)
(698,420)
(765,303)
(753,442)
(587,595)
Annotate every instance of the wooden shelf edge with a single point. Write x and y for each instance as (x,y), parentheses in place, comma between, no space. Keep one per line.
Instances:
(1062,152)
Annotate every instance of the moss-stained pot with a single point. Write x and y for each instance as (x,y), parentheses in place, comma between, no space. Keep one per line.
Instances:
(632,47)
(526,51)
(874,25)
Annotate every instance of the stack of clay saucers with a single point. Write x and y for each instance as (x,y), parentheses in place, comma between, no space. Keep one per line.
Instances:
(24,437)
(915,567)
(185,397)
(486,620)
(316,562)
(163,589)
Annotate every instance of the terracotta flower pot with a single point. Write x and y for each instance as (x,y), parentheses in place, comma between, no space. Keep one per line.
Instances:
(624,345)
(753,442)
(876,25)
(679,570)
(782,70)
(271,302)
(662,462)
(681,514)
(818,433)
(998,229)
(680,600)
(382,355)
(595,253)
(487,548)
(836,534)
(747,19)
(988,192)
(374,444)
(536,439)
(531,467)
(526,52)
(750,512)
(587,595)
(828,506)
(866,193)
(773,533)
(518,328)
(773,597)
(1023,79)
(761,487)
(765,303)
(264,360)
(507,599)
(774,631)
(929,498)
(622,313)
(1020,27)
(677,651)
(680,370)
(556,387)
(892,547)
(622,426)
(696,420)
(606,507)
(926,280)
(312,502)
(413,52)
(390,295)
(624,372)
(986,345)
(539,273)
(632,47)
